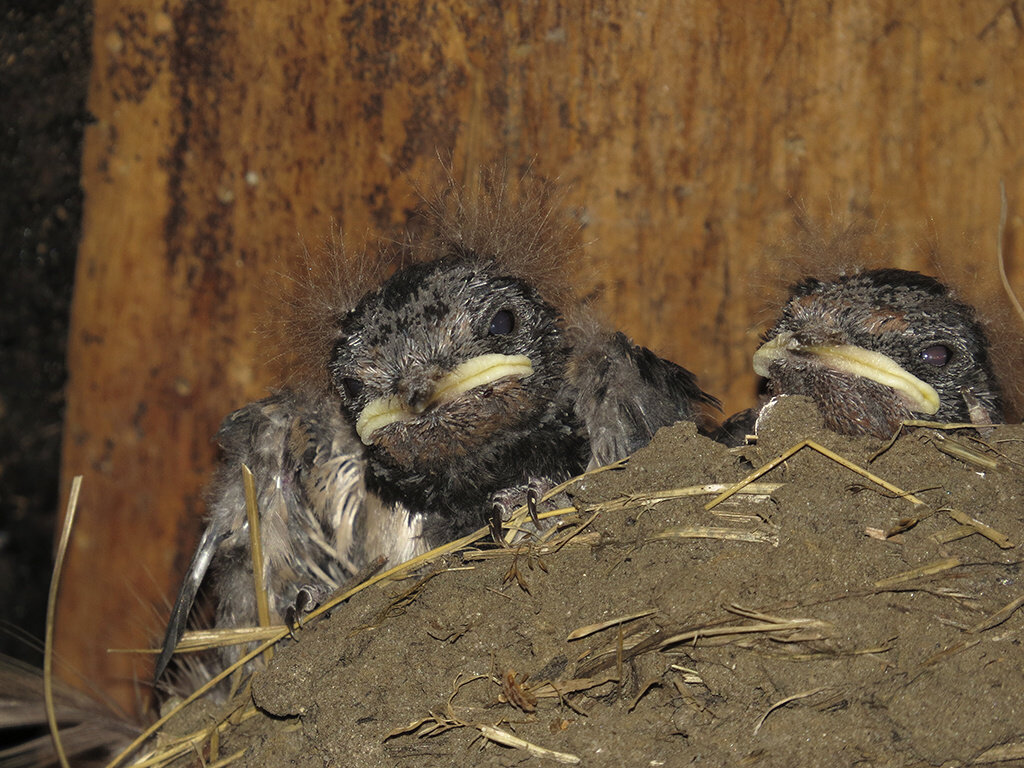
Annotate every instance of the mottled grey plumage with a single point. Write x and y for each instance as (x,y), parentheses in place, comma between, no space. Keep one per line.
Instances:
(879,347)
(625,393)
(308,472)
(454,382)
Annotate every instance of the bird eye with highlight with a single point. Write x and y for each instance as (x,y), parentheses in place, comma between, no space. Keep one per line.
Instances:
(502,323)
(353,387)
(937,355)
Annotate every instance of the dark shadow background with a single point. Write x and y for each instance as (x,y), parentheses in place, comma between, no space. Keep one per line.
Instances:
(44,76)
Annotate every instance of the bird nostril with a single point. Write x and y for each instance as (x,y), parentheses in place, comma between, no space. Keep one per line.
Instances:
(417,397)
(418,387)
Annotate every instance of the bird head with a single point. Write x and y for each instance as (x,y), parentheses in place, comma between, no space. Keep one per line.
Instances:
(444,356)
(879,347)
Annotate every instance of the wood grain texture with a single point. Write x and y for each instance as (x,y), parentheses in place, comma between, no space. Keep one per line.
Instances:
(687,134)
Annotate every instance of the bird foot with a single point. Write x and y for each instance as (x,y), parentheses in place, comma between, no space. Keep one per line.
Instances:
(505,502)
(307,599)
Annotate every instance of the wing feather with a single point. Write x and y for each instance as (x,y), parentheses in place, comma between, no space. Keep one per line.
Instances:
(307,465)
(625,393)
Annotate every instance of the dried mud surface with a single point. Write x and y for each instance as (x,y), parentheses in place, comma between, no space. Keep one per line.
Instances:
(830,660)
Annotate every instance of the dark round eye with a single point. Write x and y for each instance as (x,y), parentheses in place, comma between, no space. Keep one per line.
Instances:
(937,355)
(502,323)
(352,387)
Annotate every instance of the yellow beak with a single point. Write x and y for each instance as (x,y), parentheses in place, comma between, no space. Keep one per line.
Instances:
(475,372)
(856,361)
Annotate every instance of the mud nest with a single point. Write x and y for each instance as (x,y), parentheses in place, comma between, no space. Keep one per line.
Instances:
(816,617)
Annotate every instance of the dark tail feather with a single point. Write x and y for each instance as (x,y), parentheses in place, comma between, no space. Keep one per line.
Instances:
(186,597)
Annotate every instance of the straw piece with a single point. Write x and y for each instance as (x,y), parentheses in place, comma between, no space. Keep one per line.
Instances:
(504,737)
(999,616)
(713,532)
(782,703)
(824,452)
(51,612)
(1000,540)
(928,569)
(590,629)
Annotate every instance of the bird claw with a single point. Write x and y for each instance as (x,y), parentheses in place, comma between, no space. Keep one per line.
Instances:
(496,522)
(505,502)
(531,505)
(307,599)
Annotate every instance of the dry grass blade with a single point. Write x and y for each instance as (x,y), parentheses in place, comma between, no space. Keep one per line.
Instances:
(434,725)
(591,661)
(947,426)
(999,616)
(713,532)
(773,625)
(644,689)
(51,611)
(1004,753)
(962,452)
(954,533)
(207,686)
(227,760)
(399,571)
(784,702)
(192,742)
(399,602)
(863,472)
(999,252)
(590,629)
(945,653)
(690,676)
(205,639)
(560,688)
(817,655)
(651,498)
(750,613)
(536,550)
(415,727)
(824,452)
(928,569)
(509,740)
(256,549)
(1000,540)
(208,639)
(746,481)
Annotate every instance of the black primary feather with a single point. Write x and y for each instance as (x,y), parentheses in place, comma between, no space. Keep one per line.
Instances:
(456,381)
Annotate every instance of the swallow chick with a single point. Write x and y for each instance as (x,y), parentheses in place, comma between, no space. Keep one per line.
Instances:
(468,377)
(879,347)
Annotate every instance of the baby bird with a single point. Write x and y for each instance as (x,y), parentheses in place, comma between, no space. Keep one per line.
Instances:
(466,380)
(879,347)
